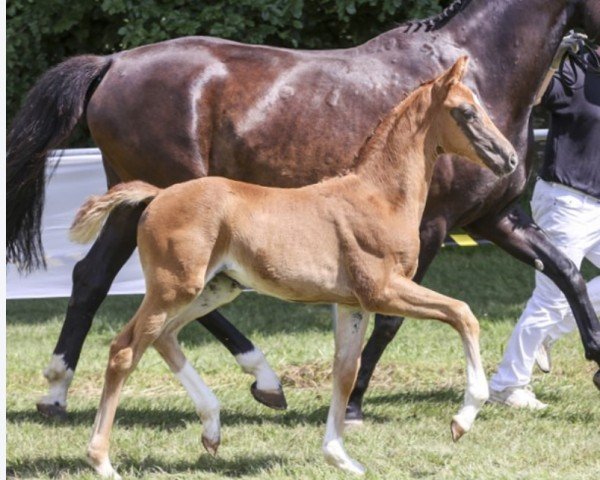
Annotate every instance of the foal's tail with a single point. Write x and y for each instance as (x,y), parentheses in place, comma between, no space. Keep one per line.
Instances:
(92,214)
(46,119)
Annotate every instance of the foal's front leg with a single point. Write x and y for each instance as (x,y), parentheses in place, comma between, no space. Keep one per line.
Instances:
(432,235)
(350,330)
(402,296)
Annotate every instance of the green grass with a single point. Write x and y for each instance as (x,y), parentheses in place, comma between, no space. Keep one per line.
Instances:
(416,390)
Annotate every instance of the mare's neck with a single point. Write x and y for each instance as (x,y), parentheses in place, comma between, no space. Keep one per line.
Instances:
(398,159)
(511,44)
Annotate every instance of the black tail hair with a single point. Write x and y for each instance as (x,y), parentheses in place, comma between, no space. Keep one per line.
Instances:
(47,117)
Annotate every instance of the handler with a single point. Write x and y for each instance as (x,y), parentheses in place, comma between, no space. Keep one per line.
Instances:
(566,205)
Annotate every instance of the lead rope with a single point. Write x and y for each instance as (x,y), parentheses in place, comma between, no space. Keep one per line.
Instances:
(586,59)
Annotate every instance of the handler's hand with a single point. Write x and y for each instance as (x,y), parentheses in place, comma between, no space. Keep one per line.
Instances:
(570,43)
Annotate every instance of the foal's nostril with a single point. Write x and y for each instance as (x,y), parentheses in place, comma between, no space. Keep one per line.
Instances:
(512,161)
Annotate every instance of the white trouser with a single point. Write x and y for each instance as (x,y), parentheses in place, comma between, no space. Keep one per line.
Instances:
(572,221)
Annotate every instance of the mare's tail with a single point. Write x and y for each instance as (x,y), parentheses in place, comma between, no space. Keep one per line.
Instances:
(46,119)
(92,214)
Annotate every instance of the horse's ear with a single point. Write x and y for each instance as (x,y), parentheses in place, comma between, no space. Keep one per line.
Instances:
(453,75)
(458,70)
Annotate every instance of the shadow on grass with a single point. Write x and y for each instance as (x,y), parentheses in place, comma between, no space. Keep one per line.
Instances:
(170,419)
(438,396)
(453,397)
(234,468)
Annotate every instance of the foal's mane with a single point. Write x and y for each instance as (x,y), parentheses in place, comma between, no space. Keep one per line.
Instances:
(437,21)
(378,137)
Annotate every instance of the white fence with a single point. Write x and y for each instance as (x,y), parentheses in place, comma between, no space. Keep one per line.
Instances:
(78,175)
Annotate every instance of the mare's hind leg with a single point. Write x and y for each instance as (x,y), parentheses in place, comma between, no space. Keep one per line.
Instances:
(350,330)
(402,296)
(125,352)
(92,278)
(267,387)
(218,292)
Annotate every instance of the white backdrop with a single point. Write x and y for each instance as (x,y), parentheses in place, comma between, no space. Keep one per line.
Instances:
(78,175)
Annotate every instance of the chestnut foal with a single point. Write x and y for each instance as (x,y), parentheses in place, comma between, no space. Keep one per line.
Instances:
(351,240)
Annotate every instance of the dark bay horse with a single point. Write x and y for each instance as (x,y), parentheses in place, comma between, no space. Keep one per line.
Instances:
(186,108)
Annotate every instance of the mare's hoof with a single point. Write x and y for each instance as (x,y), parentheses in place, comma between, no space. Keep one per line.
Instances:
(51,410)
(210,446)
(274,399)
(597,379)
(354,415)
(456,430)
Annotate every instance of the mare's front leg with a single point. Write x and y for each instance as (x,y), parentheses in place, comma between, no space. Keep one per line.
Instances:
(515,232)
(432,235)
(350,327)
(267,387)
(92,278)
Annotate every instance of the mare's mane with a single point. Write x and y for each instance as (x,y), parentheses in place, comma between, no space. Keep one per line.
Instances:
(437,21)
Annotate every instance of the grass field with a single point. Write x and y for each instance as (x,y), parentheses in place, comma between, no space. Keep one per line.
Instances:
(417,388)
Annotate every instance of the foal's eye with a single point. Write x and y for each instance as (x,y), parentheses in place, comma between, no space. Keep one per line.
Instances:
(469,114)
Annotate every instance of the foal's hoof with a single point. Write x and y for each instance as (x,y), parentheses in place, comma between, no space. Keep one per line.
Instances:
(336,455)
(456,430)
(354,415)
(597,379)
(211,446)
(104,469)
(274,399)
(52,410)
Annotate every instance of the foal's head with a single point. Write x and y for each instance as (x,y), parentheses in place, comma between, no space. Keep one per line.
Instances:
(464,127)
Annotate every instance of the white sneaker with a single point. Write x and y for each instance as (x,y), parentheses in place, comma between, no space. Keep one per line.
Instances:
(517,397)
(542,355)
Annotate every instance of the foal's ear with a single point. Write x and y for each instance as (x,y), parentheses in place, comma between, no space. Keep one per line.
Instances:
(452,76)
(458,70)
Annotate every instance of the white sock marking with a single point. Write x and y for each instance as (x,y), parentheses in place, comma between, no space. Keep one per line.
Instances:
(336,455)
(255,363)
(205,401)
(59,377)
(106,470)
(476,393)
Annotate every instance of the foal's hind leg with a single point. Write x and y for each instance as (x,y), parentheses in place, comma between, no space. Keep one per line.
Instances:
(220,291)
(402,296)
(125,352)
(350,330)
(205,401)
